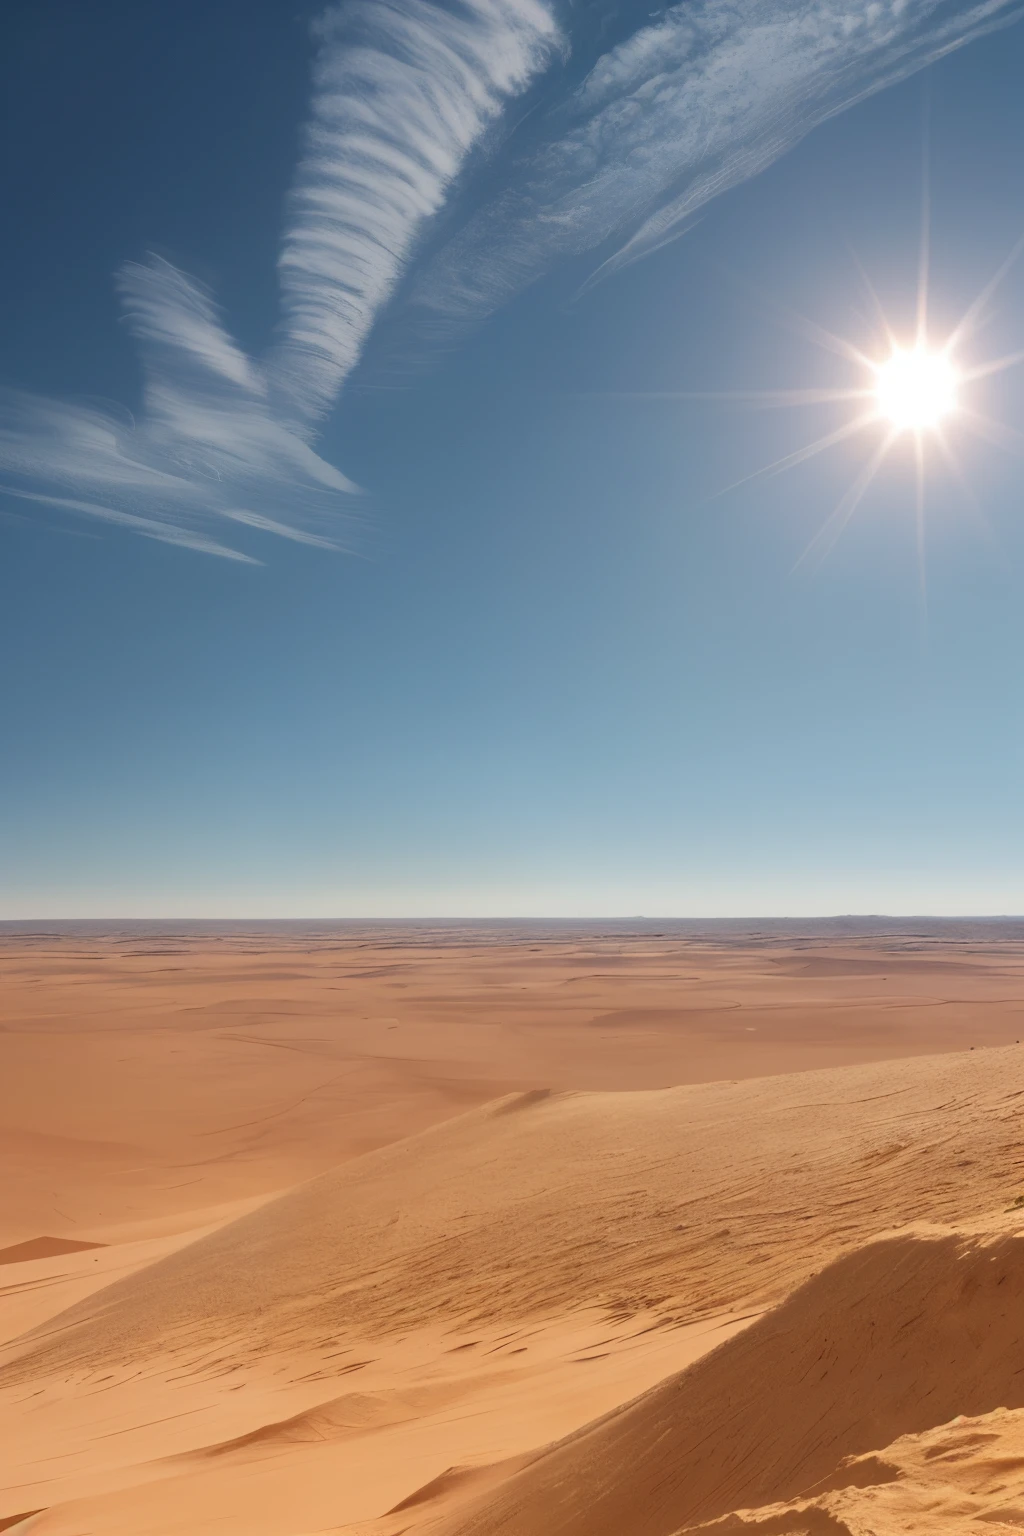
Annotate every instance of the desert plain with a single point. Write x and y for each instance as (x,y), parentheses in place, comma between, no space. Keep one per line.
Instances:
(556,1229)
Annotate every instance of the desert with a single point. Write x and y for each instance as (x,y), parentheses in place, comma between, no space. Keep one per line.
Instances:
(511,833)
(526,1228)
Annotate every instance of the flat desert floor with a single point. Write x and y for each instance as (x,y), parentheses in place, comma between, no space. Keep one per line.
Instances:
(512,1230)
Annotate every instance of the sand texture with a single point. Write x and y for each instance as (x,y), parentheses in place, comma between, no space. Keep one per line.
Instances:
(534,1232)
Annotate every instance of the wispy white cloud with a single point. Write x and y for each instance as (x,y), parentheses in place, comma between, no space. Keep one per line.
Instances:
(404,90)
(206,451)
(403,93)
(694,103)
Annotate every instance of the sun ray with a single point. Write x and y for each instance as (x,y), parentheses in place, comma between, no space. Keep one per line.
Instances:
(848,505)
(956,470)
(801,455)
(997,365)
(910,389)
(919,489)
(766,397)
(924,248)
(872,293)
(827,340)
(970,316)
(992,431)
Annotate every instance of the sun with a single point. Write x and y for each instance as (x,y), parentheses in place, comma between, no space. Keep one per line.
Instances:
(916,388)
(915,394)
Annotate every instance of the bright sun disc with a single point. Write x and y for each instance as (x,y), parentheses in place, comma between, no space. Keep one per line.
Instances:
(916,389)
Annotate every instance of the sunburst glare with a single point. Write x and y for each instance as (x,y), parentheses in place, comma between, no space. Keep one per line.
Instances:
(917,391)
(916,388)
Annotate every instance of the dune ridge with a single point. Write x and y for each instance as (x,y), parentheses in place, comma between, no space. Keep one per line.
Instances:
(895,1338)
(629,1201)
(960,1478)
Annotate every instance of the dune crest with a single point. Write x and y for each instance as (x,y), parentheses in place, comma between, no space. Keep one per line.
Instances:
(891,1340)
(967,1475)
(534,1205)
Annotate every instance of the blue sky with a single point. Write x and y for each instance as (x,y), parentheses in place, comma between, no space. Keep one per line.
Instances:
(364,549)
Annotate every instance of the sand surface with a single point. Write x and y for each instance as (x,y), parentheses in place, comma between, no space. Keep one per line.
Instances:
(536,1230)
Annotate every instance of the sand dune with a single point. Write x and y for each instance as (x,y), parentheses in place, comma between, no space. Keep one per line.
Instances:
(479,1306)
(148,1073)
(545,1202)
(897,1337)
(528,1289)
(966,1476)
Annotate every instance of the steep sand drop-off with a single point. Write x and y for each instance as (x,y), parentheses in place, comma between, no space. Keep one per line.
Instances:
(965,1478)
(897,1337)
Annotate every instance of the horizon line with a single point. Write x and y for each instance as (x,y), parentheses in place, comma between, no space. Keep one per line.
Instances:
(635,917)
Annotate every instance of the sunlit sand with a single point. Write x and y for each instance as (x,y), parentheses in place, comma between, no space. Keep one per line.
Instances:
(543,1230)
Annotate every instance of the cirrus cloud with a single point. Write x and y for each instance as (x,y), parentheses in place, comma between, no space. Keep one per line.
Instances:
(406,97)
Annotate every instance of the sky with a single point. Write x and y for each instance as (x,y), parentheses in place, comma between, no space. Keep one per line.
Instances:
(383,406)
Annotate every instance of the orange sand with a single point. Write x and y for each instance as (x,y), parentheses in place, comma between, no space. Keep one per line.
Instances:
(300,1231)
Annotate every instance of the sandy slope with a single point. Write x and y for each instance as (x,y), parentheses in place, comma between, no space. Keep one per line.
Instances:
(497,1280)
(279,1364)
(962,1479)
(688,1200)
(899,1336)
(148,1074)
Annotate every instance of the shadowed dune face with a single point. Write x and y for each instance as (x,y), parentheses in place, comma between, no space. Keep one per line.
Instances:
(43,1248)
(893,1339)
(966,1476)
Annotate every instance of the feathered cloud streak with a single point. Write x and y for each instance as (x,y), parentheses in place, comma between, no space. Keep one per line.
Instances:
(402,94)
(207,451)
(404,89)
(689,106)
